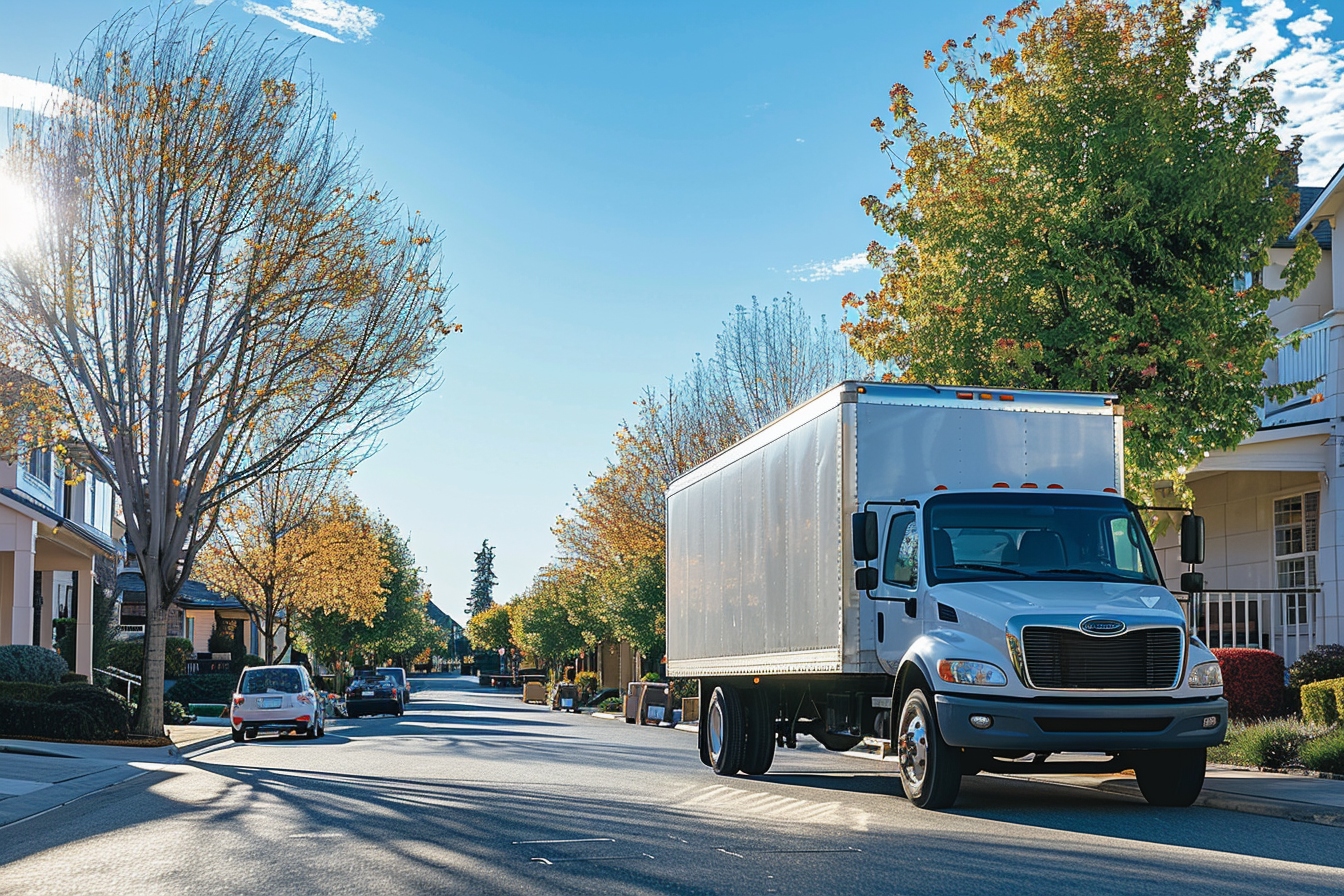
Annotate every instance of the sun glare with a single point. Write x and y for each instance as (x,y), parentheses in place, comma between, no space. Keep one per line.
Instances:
(18,216)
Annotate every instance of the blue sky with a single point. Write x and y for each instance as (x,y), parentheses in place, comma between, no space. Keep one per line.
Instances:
(611,180)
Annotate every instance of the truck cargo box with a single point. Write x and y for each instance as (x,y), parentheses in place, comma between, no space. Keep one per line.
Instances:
(759,575)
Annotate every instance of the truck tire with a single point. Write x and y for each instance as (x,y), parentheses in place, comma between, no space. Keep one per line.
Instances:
(727,731)
(930,769)
(1170,777)
(760,718)
(702,735)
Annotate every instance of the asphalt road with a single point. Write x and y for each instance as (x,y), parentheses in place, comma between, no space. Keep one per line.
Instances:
(473,792)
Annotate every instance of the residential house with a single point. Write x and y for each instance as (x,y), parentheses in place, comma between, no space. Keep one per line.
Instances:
(56,523)
(1274,506)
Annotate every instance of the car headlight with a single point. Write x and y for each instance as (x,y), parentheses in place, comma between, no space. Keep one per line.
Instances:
(1206,675)
(972,672)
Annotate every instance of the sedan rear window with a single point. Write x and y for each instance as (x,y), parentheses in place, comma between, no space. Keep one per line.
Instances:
(260,681)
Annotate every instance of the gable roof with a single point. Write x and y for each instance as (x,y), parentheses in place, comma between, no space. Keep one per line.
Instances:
(1326,203)
(193,596)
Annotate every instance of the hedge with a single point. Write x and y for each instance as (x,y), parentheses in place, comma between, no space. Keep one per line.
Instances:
(1321,701)
(28,662)
(67,712)
(213,688)
(1252,682)
(130,656)
(21,718)
(25,690)
(1325,753)
(1322,663)
(111,713)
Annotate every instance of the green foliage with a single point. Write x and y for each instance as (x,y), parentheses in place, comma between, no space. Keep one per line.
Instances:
(29,691)
(1318,664)
(1325,753)
(1082,223)
(1322,701)
(652,677)
(20,718)
(540,625)
(403,629)
(245,661)
(128,655)
(587,683)
(611,704)
(179,650)
(483,580)
(1274,744)
(212,688)
(175,713)
(222,641)
(28,662)
(64,712)
(490,629)
(104,628)
(636,603)
(72,677)
(110,712)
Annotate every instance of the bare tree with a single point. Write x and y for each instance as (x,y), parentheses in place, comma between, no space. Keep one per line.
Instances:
(216,283)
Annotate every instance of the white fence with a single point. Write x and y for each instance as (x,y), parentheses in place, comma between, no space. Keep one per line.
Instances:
(1282,621)
(1309,361)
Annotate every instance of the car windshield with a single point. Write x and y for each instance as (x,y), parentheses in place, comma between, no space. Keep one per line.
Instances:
(261,681)
(1041,536)
(394,674)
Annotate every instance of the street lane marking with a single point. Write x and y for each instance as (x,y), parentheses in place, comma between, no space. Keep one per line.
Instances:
(543,861)
(579,840)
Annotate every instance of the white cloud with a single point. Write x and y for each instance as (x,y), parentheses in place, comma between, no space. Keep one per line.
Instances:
(320,18)
(25,93)
(825,270)
(1308,66)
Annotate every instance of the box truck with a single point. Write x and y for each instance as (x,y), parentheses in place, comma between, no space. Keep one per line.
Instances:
(951,573)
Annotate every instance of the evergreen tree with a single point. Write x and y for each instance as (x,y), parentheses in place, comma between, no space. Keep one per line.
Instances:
(483,582)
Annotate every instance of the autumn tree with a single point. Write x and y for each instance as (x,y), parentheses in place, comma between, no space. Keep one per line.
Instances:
(1082,221)
(483,580)
(215,282)
(292,544)
(490,629)
(539,620)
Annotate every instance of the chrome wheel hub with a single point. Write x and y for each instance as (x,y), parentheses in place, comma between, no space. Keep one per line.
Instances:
(715,729)
(912,746)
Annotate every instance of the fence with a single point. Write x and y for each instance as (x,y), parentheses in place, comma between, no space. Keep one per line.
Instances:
(1284,621)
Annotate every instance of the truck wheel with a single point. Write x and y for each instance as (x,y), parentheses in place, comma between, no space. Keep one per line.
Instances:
(1170,777)
(930,769)
(727,731)
(703,736)
(760,718)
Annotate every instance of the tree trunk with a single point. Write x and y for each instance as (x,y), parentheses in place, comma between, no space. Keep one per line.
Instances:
(149,717)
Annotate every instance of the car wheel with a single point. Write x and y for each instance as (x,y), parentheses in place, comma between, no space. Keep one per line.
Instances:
(311,731)
(1171,777)
(352,713)
(930,769)
(237,735)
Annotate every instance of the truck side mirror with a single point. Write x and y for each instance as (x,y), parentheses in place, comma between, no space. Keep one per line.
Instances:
(864,530)
(865,578)
(1192,538)
(1192,582)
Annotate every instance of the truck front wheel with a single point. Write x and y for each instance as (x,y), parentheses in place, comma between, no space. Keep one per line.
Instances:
(1170,777)
(930,769)
(727,731)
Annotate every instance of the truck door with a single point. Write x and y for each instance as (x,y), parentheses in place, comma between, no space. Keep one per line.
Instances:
(895,628)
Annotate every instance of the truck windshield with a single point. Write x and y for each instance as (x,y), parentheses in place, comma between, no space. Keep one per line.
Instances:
(1042,536)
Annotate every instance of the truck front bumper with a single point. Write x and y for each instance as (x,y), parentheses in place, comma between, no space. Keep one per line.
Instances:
(1036,726)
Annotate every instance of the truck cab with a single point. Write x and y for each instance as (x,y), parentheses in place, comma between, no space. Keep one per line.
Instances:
(1035,621)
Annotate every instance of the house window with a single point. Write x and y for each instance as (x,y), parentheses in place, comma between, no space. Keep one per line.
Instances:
(191,628)
(39,466)
(1296,538)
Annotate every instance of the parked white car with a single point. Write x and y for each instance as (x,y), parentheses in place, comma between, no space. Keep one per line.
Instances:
(276,698)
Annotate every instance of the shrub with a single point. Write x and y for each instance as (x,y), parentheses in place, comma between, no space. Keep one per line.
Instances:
(24,718)
(1325,753)
(1322,701)
(220,642)
(245,661)
(611,704)
(175,713)
(110,713)
(28,662)
(213,688)
(129,656)
(176,653)
(25,690)
(74,677)
(651,677)
(1252,682)
(1318,664)
(587,683)
(1272,744)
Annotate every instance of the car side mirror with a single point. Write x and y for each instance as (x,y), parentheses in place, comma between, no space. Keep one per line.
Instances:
(863,527)
(1192,538)
(865,578)
(1192,582)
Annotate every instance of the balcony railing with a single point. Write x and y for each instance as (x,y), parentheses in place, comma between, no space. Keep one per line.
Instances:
(1284,621)
(1307,363)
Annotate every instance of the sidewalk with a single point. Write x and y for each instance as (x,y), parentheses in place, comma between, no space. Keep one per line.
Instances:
(37,776)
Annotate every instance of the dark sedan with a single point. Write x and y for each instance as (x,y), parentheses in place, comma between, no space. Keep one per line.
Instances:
(371,695)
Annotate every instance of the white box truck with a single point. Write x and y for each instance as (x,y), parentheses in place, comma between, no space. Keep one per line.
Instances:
(952,571)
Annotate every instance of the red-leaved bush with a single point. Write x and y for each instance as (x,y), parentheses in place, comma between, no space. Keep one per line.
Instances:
(1252,682)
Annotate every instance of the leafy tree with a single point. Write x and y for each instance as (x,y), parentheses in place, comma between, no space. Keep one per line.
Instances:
(291,544)
(636,603)
(403,629)
(490,629)
(1082,222)
(483,581)
(217,282)
(539,620)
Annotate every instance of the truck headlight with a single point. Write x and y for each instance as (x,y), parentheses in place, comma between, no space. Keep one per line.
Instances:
(972,672)
(1206,675)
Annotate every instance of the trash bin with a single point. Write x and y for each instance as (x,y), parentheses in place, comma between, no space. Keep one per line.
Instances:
(566,697)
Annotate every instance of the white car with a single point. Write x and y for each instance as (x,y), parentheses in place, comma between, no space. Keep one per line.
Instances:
(276,698)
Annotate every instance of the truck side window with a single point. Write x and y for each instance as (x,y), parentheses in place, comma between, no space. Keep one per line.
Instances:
(901,563)
(1125,542)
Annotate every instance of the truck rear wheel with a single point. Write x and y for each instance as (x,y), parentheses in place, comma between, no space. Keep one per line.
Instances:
(930,769)
(760,719)
(727,731)
(1170,777)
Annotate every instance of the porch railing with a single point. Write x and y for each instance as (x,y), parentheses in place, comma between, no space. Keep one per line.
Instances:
(131,629)
(205,667)
(1281,620)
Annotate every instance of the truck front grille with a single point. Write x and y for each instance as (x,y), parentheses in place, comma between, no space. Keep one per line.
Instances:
(1143,659)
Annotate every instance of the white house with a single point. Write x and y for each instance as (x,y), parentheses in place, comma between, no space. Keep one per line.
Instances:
(1274,506)
(51,533)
